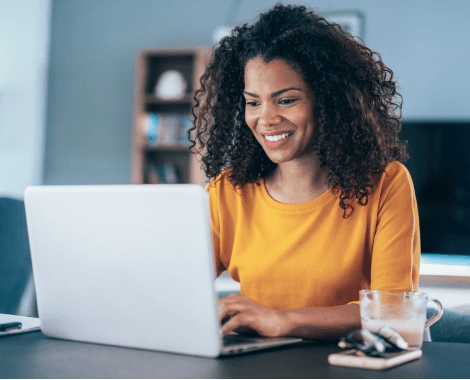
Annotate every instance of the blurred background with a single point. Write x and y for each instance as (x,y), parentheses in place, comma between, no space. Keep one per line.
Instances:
(69,89)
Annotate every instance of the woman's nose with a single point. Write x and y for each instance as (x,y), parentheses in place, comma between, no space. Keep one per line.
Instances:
(269,118)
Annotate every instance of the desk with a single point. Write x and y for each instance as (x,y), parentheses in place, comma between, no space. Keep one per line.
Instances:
(33,355)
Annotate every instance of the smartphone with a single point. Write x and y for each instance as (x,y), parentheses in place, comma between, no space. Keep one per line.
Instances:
(353,358)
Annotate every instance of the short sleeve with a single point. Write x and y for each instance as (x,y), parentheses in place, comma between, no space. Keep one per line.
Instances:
(396,248)
(213,191)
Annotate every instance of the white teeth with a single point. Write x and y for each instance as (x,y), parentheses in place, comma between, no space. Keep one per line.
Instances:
(278,137)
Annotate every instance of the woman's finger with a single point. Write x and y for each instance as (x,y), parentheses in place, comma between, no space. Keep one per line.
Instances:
(236,322)
(231,305)
(224,310)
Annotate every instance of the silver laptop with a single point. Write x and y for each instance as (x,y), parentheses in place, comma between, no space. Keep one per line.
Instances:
(129,265)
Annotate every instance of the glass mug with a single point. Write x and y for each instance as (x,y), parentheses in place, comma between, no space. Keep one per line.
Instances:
(405,312)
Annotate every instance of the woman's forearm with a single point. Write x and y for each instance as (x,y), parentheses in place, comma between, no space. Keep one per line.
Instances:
(321,323)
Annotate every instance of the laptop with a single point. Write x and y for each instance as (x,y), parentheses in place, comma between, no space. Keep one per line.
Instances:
(129,265)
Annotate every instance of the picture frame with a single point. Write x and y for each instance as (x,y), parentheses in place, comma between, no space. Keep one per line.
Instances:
(351,21)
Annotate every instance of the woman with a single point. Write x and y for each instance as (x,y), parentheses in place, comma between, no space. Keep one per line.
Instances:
(297,126)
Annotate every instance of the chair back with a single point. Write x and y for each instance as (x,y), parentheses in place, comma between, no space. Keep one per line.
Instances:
(15,257)
(454,326)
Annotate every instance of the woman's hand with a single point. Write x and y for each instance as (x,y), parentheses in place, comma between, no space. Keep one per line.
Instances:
(242,315)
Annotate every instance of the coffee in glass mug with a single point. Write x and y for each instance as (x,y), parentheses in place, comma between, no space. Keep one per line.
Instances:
(405,312)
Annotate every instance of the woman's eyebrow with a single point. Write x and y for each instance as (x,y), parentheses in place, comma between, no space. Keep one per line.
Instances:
(274,94)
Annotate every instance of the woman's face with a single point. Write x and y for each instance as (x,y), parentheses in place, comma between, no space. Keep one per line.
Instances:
(279,110)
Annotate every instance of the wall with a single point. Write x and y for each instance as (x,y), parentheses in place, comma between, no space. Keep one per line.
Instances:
(24,54)
(91,86)
(94,45)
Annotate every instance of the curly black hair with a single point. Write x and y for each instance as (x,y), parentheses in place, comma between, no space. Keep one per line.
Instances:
(357,108)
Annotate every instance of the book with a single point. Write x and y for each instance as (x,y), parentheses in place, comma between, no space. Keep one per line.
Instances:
(151,127)
(166,128)
(185,123)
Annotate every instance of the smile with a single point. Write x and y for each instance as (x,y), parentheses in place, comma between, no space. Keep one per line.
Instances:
(273,141)
(278,137)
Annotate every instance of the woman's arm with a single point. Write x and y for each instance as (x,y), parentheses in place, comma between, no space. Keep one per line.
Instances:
(240,314)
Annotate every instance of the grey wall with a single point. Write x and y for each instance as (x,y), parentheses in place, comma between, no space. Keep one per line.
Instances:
(24,56)
(94,44)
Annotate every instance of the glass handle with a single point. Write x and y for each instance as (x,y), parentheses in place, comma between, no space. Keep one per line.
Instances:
(437,314)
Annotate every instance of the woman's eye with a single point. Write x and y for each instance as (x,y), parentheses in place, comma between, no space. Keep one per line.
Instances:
(252,104)
(287,101)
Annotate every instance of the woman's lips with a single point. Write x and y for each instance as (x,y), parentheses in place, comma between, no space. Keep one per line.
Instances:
(275,144)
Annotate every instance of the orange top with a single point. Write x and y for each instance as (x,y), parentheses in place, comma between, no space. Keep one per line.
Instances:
(289,256)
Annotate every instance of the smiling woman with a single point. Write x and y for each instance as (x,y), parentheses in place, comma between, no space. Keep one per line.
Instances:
(279,112)
(297,127)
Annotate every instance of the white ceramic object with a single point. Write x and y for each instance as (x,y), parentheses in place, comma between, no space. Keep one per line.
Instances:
(221,32)
(171,85)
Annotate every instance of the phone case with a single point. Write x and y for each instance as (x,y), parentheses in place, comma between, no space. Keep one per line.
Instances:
(351,358)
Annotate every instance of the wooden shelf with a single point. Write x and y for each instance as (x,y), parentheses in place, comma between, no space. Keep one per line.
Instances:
(150,159)
(168,147)
(152,99)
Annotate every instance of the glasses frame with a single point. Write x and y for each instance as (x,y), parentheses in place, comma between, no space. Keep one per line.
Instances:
(372,344)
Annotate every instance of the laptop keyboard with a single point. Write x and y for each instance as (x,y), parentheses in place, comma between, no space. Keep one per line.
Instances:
(233,343)
(237,340)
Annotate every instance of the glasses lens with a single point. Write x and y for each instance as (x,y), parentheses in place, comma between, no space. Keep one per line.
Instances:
(391,336)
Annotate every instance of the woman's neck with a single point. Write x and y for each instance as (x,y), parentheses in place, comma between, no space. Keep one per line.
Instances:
(297,182)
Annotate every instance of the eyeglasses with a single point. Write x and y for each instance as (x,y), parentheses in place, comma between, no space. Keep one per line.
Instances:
(374,344)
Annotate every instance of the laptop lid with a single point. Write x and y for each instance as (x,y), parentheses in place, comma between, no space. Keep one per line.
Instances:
(125,265)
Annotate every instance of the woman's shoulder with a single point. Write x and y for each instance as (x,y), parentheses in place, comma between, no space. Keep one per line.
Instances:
(230,199)
(396,171)
(395,176)
(222,184)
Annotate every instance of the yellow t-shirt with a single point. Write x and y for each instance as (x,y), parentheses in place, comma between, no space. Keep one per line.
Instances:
(288,256)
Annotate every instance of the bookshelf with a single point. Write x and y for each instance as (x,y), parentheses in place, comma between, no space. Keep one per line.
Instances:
(160,149)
